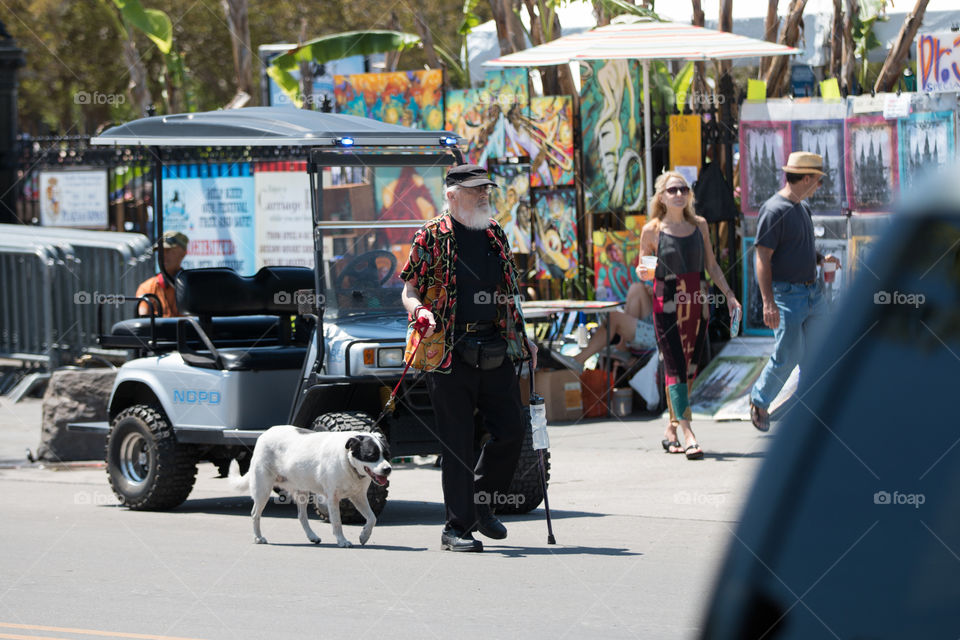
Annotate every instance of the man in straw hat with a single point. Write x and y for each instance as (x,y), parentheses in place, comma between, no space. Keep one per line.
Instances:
(786,268)
(174,251)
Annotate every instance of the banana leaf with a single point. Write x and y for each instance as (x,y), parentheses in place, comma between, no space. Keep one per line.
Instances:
(334,47)
(154,23)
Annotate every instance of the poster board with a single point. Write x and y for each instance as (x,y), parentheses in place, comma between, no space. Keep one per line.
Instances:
(284,222)
(213,204)
(74,199)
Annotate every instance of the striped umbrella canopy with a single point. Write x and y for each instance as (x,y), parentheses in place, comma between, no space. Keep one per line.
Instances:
(644,41)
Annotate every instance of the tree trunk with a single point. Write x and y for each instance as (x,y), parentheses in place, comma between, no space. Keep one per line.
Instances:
(238,24)
(306,73)
(392,58)
(892,66)
(836,39)
(777,73)
(509,28)
(771,28)
(698,89)
(537,36)
(138,88)
(726,24)
(427,38)
(848,70)
(600,14)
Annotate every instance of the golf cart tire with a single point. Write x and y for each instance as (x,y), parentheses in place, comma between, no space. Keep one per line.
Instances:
(147,469)
(526,479)
(376,495)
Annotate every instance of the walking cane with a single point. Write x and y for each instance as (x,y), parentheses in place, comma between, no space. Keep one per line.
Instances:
(538,426)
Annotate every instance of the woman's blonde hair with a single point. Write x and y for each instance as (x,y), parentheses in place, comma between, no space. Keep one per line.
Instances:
(657,209)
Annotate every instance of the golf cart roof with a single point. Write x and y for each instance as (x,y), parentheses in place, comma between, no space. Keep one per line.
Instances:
(269,126)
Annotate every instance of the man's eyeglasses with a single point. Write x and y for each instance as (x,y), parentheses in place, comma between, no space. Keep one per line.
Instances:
(677,191)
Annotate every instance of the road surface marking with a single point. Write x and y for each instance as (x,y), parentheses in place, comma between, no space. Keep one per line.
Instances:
(85,632)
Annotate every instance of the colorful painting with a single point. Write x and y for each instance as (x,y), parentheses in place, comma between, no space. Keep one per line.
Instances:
(506,92)
(511,203)
(475,121)
(408,98)
(825,138)
(871,163)
(555,233)
(612,131)
(615,254)
(925,144)
(550,129)
(764,147)
(751,299)
(407,193)
(725,379)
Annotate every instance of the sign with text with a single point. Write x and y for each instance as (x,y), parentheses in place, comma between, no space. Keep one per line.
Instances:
(938,61)
(284,220)
(73,199)
(213,204)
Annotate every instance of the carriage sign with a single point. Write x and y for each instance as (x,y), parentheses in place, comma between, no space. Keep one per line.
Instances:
(938,61)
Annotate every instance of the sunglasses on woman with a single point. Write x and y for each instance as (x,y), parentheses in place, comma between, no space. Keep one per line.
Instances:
(677,191)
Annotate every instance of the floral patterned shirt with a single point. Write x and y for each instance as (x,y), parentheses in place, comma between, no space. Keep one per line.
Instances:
(431,268)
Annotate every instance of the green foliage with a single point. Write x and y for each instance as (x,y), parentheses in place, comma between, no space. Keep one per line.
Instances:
(865,40)
(334,47)
(155,24)
(620,8)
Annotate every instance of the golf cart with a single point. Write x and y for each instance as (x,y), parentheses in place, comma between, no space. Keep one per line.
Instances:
(318,348)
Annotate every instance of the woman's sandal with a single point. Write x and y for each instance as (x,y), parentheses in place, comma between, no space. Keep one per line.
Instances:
(697,454)
(671,446)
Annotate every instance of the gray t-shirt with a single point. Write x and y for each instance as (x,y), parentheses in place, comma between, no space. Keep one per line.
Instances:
(787,228)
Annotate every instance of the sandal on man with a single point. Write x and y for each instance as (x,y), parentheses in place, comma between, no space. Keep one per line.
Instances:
(760,417)
(671,446)
(696,454)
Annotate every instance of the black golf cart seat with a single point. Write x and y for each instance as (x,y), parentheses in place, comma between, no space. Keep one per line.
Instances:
(231,322)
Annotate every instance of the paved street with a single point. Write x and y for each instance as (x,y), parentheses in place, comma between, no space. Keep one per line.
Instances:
(640,535)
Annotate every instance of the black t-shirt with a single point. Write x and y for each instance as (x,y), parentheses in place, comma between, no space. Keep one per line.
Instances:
(478,274)
(787,228)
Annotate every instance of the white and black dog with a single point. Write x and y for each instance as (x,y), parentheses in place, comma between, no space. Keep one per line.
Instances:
(334,465)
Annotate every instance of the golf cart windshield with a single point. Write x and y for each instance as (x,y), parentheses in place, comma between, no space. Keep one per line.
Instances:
(369,214)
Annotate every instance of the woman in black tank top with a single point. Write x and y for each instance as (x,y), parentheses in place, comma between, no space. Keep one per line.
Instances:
(680,241)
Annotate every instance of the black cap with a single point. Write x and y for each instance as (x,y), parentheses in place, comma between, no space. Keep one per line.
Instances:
(468,175)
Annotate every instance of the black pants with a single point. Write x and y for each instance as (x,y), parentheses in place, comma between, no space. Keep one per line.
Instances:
(455,396)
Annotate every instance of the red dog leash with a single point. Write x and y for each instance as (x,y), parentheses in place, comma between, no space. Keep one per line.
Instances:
(420,325)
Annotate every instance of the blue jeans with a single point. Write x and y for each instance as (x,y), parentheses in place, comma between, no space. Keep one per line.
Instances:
(803,312)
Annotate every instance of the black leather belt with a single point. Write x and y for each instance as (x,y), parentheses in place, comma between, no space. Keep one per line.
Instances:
(475,327)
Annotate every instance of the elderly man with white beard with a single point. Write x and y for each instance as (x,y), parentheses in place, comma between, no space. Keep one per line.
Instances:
(461,279)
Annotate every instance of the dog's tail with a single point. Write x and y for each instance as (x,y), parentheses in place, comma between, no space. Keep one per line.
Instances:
(238,482)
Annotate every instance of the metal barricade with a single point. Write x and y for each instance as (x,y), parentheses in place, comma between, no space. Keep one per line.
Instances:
(72,273)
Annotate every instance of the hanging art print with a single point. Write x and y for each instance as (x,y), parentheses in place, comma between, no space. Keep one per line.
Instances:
(611,129)
(408,98)
(475,121)
(555,233)
(550,131)
(764,147)
(615,254)
(752,300)
(511,203)
(825,138)
(871,163)
(925,144)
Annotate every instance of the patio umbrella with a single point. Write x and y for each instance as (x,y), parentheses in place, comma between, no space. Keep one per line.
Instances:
(644,41)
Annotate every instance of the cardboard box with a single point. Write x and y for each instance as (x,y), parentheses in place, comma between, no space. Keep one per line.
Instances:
(560,389)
